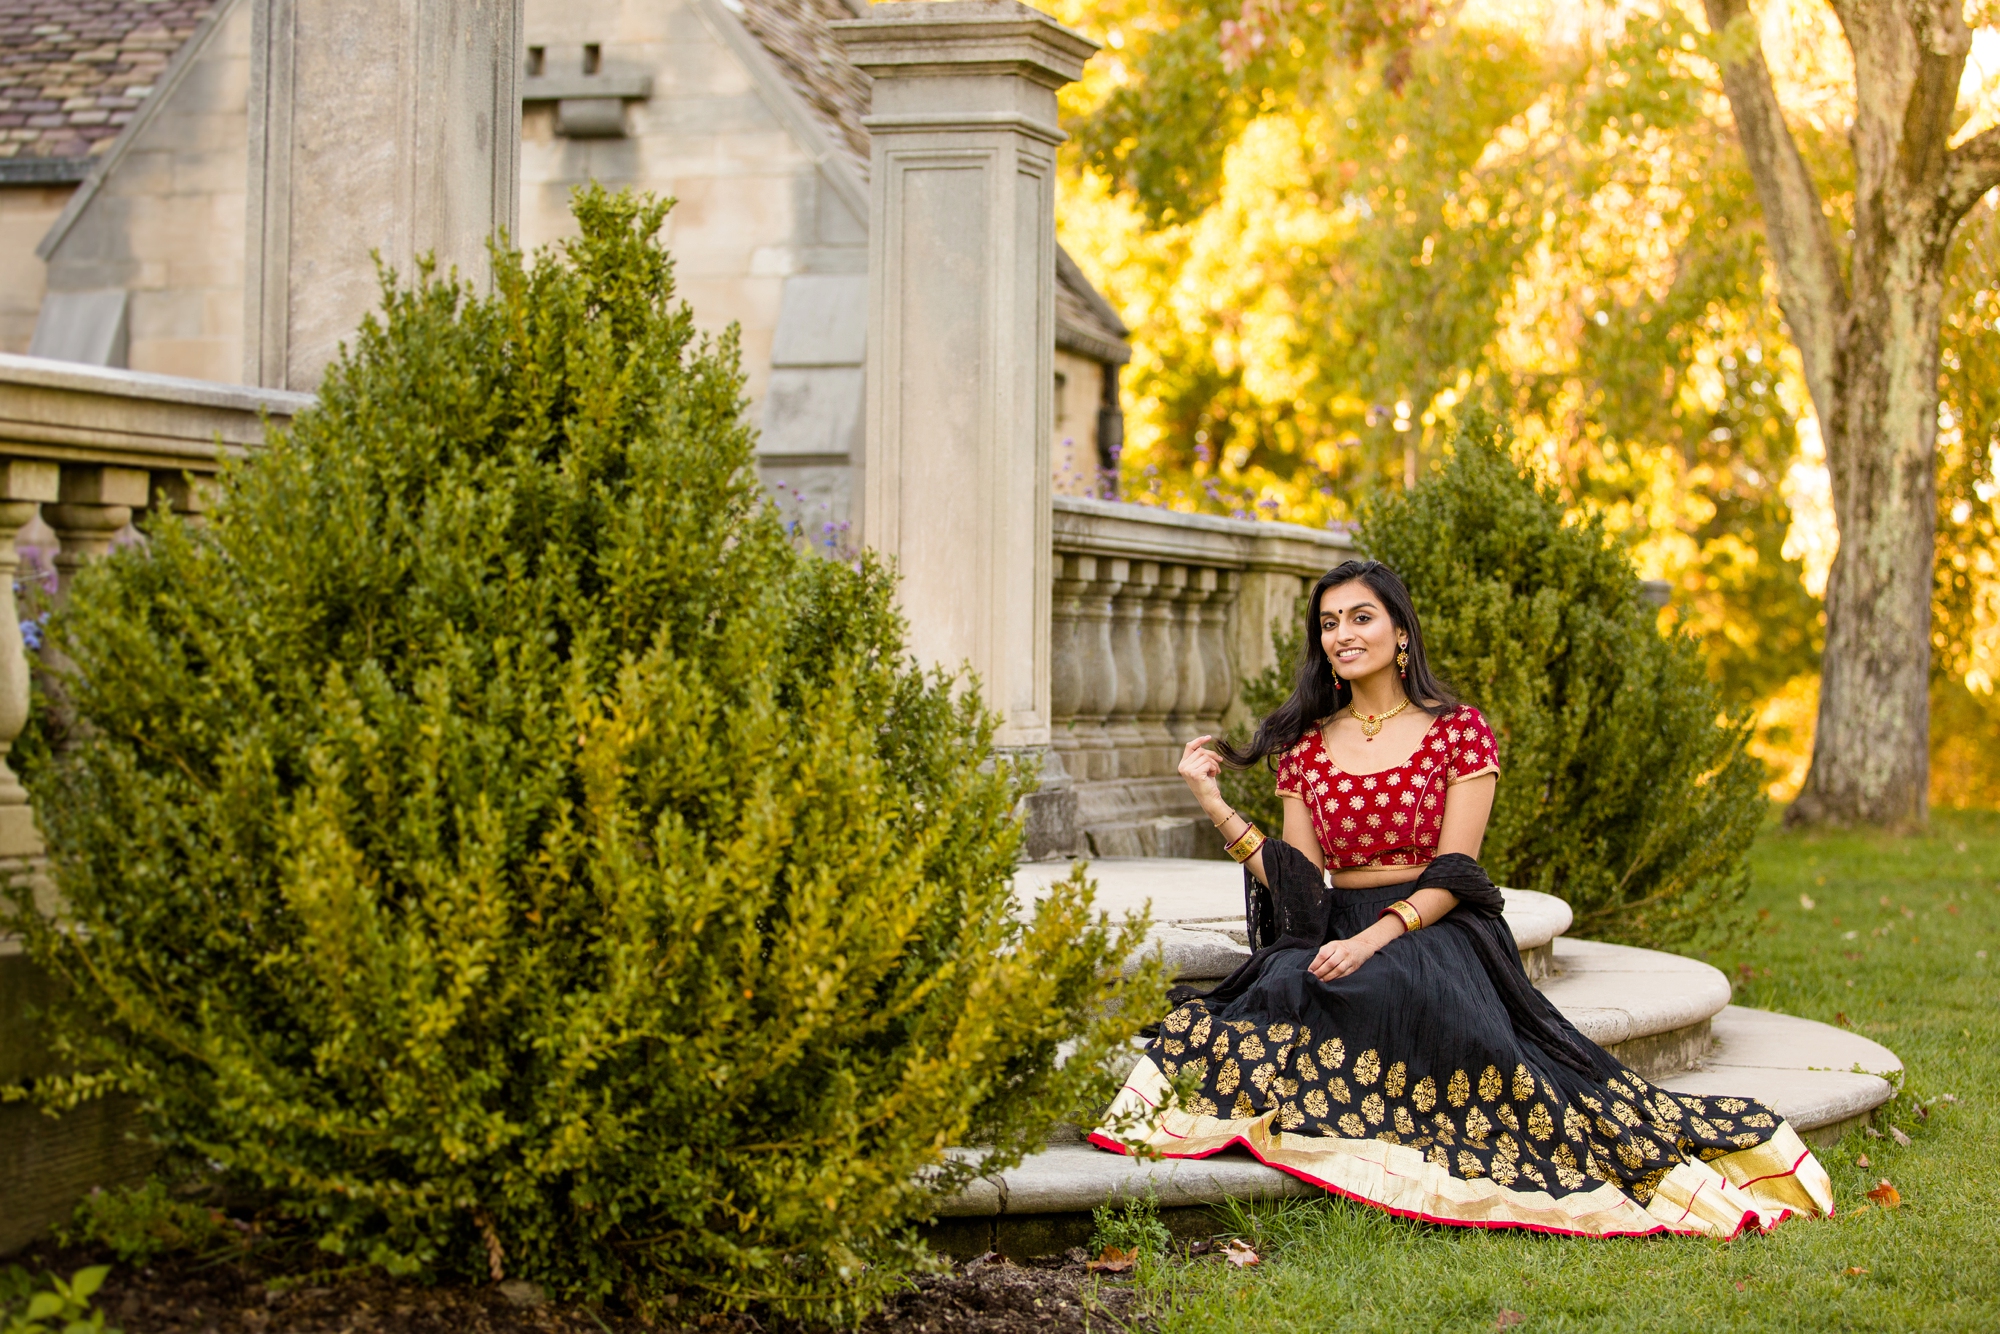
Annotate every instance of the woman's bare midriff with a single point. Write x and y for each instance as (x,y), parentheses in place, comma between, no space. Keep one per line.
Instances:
(1375,877)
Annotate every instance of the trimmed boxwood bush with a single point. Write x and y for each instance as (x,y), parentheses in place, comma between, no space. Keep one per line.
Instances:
(490,836)
(1625,787)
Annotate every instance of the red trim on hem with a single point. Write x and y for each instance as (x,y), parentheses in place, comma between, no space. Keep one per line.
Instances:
(1791,1171)
(1749,1219)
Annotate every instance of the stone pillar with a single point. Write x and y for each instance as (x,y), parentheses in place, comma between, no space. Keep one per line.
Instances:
(96,506)
(961,332)
(23,485)
(388,127)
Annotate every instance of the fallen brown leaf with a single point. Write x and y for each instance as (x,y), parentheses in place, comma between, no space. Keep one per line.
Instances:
(1238,1253)
(1861,1160)
(1840,1017)
(1923,1112)
(1854,1270)
(1886,1195)
(1859,1209)
(1741,1286)
(1896,1133)
(1113,1261)
(1508,1319)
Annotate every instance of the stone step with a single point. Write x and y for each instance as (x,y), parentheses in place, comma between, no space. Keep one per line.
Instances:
(1650,1009)
(1823,1080)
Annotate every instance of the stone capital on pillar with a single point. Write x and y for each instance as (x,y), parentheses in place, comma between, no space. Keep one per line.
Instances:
(377,127)
(961,331)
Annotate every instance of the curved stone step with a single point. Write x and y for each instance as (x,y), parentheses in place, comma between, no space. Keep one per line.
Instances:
(1197,910)
(1650,1009)
(1823,1080)
(1826,1081)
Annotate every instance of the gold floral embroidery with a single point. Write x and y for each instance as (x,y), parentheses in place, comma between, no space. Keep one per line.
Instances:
(1469,1166)
(1628,1154)
(1760,1119)
(1200,1033)
(1540,1124)
(1393,1083)
(1458,1090)
(1263,1075)
(1425,1094)
(1228,1077)
(1733,1105)
(1201,1106)
(1307,1070)
(1476,1125)
(1440,1157)
(1608,1128)
(1367,1068)
(1178,1021)
(1280,1032)
(1503,1172)
(1507,1117)
(1242,1111)
(1221,1047)
(1524,1083)
(1315,1101)
(1574,1126)
(1290,1117)
(1625,1112)
(1489,1084)
(1372,1108)
(1701,1127)
(1350,1126)
(1243,1025)
(1251,1048)
(1333,1053)
(1174,1046)
(1336,1088)
(1287,1088)
(1566,1170)
(1403,1121)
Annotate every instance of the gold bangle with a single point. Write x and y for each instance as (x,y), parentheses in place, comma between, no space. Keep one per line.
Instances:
(1245,845)
(1403,908)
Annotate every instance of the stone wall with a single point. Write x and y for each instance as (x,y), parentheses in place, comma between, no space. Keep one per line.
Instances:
(1159,617)
(26,214)
(163,221)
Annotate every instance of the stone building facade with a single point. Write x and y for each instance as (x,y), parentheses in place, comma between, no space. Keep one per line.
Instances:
(123,179)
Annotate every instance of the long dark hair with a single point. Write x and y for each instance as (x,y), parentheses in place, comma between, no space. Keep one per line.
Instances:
(1316,695)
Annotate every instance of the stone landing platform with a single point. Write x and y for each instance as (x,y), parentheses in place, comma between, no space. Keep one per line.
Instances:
(1666,1016)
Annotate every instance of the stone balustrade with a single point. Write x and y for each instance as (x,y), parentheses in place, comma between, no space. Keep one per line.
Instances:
(1157,619)
(84,450)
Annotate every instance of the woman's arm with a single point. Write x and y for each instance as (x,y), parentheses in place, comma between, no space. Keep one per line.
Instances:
(1199,768)
(1467,805)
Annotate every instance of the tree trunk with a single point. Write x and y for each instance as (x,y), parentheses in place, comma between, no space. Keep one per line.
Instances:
(1869,343)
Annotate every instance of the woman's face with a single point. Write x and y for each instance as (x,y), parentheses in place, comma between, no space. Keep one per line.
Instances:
(1356,632)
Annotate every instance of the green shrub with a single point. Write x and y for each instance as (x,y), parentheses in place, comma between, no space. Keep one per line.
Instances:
(492,837)
(49,1305)
(1131,1225)
(1625,788)
(137,1223)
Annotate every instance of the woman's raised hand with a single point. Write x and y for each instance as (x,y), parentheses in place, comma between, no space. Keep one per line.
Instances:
(1199,767)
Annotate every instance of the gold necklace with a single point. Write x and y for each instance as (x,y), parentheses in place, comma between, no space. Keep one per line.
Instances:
(1371,724)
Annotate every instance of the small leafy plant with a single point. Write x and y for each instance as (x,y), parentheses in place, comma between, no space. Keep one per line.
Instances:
(137,1223)
(52,1306)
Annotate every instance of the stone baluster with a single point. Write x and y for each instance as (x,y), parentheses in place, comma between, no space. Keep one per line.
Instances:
(1097,664)
(1218,677)
(1066,693)
(95,507)
(1128,648)
(1156,638)
(23,485)
(185,494)
(1191,697)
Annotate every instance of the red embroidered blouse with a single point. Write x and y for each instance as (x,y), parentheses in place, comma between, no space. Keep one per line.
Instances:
(1391,818)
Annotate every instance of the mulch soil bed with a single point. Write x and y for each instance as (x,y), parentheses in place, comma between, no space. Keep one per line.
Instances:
(186,1295)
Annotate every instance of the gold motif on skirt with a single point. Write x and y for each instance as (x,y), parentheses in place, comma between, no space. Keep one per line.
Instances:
(1489,1084)
(1333,1053)
(1459,1089)
(1367,1067)
(1540,1124)
(1393,1084)
(1524,1083)
(1425,1094)
(1372,1108)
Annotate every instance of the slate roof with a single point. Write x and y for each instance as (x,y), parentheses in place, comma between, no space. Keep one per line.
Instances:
(73,72)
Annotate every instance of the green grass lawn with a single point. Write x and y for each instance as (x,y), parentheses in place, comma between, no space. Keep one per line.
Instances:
(1899,942)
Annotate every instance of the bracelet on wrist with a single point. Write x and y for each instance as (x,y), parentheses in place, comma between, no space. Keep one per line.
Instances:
(1402,908)
(1244,846)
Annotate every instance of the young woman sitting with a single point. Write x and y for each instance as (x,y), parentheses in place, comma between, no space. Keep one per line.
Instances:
(1384,1041)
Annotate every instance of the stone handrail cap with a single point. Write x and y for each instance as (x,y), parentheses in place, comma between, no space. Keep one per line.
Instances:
(44,373)
(965,36)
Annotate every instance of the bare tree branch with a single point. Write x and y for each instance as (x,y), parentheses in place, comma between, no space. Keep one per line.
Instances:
(1971,170)
(1811,291)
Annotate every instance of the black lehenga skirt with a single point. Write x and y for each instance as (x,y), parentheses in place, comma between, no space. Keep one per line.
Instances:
(1434,1084)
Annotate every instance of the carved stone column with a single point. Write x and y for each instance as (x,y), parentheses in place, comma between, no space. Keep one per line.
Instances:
(1128,648)
(1191,692)
(1098,664)
(22,486)
(1219,679)
(1065,657)
(96,506)
(1156,642)
(961,331)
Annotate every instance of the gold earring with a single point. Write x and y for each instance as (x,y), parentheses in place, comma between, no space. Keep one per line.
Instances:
(1402,657)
